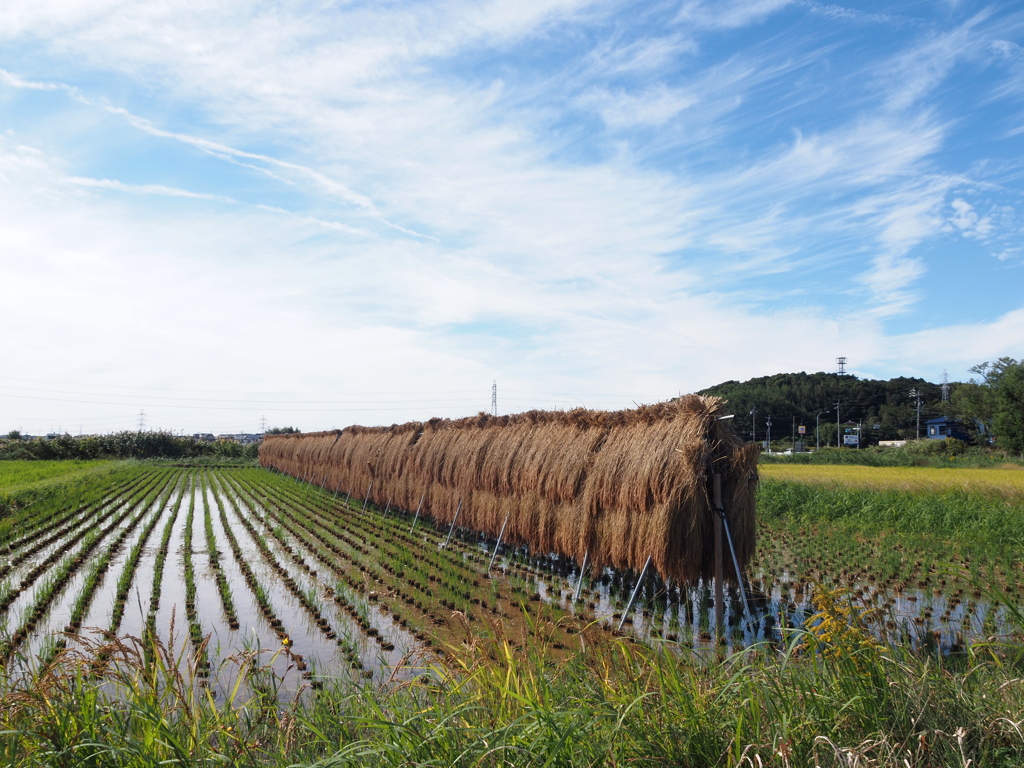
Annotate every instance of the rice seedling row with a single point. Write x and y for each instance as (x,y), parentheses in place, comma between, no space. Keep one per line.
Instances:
(132,562)
(307,545)
(318,626)
(327,535)
(92,586)
(61,565)
(105,601)
(112,517)
(44,522)
(460,565)
(303,641)
(214,556)
(40,543)
(159,564)
(195,628)
(453,585)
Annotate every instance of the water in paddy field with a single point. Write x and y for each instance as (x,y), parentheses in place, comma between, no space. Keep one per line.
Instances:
(684,616)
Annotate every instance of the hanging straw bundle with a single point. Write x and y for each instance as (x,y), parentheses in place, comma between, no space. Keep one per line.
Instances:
(620,485)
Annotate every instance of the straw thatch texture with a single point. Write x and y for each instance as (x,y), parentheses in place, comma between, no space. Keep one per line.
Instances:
(622,485)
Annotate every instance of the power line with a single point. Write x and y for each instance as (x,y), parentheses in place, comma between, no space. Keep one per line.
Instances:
(215,391)
(149,398)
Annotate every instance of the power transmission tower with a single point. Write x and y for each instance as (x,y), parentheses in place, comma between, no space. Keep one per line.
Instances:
(945,387)
(494,398)
(263,425)
(841,366)
(142,420)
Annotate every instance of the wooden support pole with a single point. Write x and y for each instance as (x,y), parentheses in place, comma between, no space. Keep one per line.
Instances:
(498,543)
(418,508)
(452,529)
(716,485)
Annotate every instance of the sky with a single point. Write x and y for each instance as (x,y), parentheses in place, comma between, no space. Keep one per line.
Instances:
(216,215)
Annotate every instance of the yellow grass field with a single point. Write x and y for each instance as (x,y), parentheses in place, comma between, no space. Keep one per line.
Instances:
(1008,481)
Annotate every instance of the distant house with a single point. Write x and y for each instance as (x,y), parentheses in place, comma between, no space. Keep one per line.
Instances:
(943,428)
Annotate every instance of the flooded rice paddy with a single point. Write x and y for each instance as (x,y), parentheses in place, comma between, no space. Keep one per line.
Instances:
(229,563)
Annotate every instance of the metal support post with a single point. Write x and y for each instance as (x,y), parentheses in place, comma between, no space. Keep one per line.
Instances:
(388,507)
(452,529)
(418,508)
(716,485)
(735,564)
(367,499)
(579,580)
(498,543)
(636,591)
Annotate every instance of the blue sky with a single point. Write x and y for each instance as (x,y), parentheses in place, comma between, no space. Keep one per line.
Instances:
(339,212)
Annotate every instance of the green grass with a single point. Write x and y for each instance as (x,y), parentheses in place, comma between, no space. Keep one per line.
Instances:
(979,519)
(942,541)
(614,703)
(19,475)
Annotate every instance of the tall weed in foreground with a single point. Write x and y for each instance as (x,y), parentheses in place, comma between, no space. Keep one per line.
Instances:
(818,698)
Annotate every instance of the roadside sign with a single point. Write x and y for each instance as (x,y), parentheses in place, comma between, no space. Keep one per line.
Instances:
(802,430)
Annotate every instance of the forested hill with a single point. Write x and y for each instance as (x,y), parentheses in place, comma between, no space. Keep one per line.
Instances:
(784,396)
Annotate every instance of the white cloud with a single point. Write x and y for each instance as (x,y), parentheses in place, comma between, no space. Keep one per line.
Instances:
(653,106)
(144,189)
(731,14)
(967,221)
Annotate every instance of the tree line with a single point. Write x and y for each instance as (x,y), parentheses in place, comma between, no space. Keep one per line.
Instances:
(122,445)
(990,407)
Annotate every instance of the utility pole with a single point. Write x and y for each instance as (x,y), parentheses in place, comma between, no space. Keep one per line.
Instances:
(839,429)
(793,435)
(769,423)
(817,426)
(494,398)
(753,428)
(916,394)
